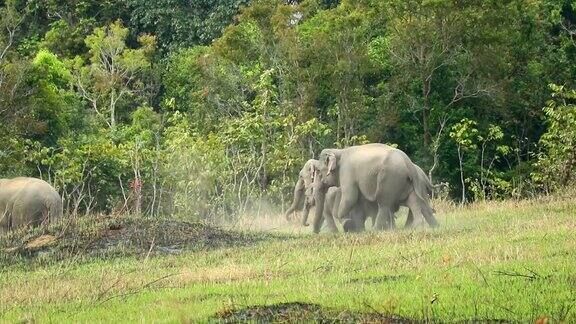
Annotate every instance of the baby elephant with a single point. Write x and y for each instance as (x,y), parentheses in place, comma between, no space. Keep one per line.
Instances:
(27,202)
(353,222)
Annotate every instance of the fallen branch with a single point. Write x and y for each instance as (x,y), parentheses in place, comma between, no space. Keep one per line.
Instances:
(135,291)
(532,276)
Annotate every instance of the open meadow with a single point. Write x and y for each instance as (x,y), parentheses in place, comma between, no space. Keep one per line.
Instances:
(511,260)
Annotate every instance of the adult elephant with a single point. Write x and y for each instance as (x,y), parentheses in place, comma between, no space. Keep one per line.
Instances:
(303,191)
(380,174)
(27,202)
(355,221)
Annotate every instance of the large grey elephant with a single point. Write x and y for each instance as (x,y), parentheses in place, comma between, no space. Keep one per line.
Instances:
(303,191)
(380,174)
(27,202)
(355,221)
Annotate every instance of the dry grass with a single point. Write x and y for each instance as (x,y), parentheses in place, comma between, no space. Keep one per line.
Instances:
(509,260)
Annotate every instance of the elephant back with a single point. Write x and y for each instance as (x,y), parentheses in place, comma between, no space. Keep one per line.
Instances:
(29,201)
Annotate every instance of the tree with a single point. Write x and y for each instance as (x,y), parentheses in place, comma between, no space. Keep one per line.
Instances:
(183,23)
(429,44)
(13,70)
(335,42)
(464,134)
(114,72)
(557,161)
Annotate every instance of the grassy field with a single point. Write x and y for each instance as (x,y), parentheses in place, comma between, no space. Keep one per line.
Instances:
(512,261)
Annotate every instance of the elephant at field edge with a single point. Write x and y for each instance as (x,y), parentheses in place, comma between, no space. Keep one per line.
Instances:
(380,174)
(355,221)
(303,191)
(27,202)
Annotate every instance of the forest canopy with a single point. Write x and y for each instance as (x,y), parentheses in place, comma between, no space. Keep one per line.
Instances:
(209,108)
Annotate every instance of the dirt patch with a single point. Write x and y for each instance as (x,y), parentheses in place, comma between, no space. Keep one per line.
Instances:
(40,242)
(111,236)
(301,313)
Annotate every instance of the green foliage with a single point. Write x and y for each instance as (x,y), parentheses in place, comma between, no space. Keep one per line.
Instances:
(208,108)
(55,102)
(179,23)
(465,134)
(115,72)
(556,164)
(197,168)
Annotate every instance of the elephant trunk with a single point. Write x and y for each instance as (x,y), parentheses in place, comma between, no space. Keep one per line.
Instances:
(298,196)
(319,197)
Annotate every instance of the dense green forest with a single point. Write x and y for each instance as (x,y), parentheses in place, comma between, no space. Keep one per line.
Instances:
(210,108)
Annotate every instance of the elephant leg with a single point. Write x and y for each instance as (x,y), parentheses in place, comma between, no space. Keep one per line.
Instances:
(348,225)
(358,219)
(359,223)
(26,215)
(330,206)
(355,220)
(347,202)
(409,219)
(384,218)
(332,228)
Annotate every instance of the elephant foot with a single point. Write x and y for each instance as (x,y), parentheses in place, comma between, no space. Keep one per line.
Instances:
(348,226)
(415,225)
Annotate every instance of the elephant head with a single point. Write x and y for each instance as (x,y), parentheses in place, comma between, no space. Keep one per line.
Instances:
(325,177)
(329,163)
(303,190)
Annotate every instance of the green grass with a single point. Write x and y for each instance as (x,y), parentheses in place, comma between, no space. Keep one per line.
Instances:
(510,260)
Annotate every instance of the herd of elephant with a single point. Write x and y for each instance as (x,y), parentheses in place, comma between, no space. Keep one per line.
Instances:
(351,184)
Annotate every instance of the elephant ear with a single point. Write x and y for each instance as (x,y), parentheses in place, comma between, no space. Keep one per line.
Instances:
(331,161)
(311,170)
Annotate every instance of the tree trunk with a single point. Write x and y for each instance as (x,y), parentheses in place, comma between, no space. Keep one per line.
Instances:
(426,111)
(113,109)
(462,175)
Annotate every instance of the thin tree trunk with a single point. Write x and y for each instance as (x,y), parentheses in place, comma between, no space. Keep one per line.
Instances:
(426,111)
(461,175)
(112,109)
